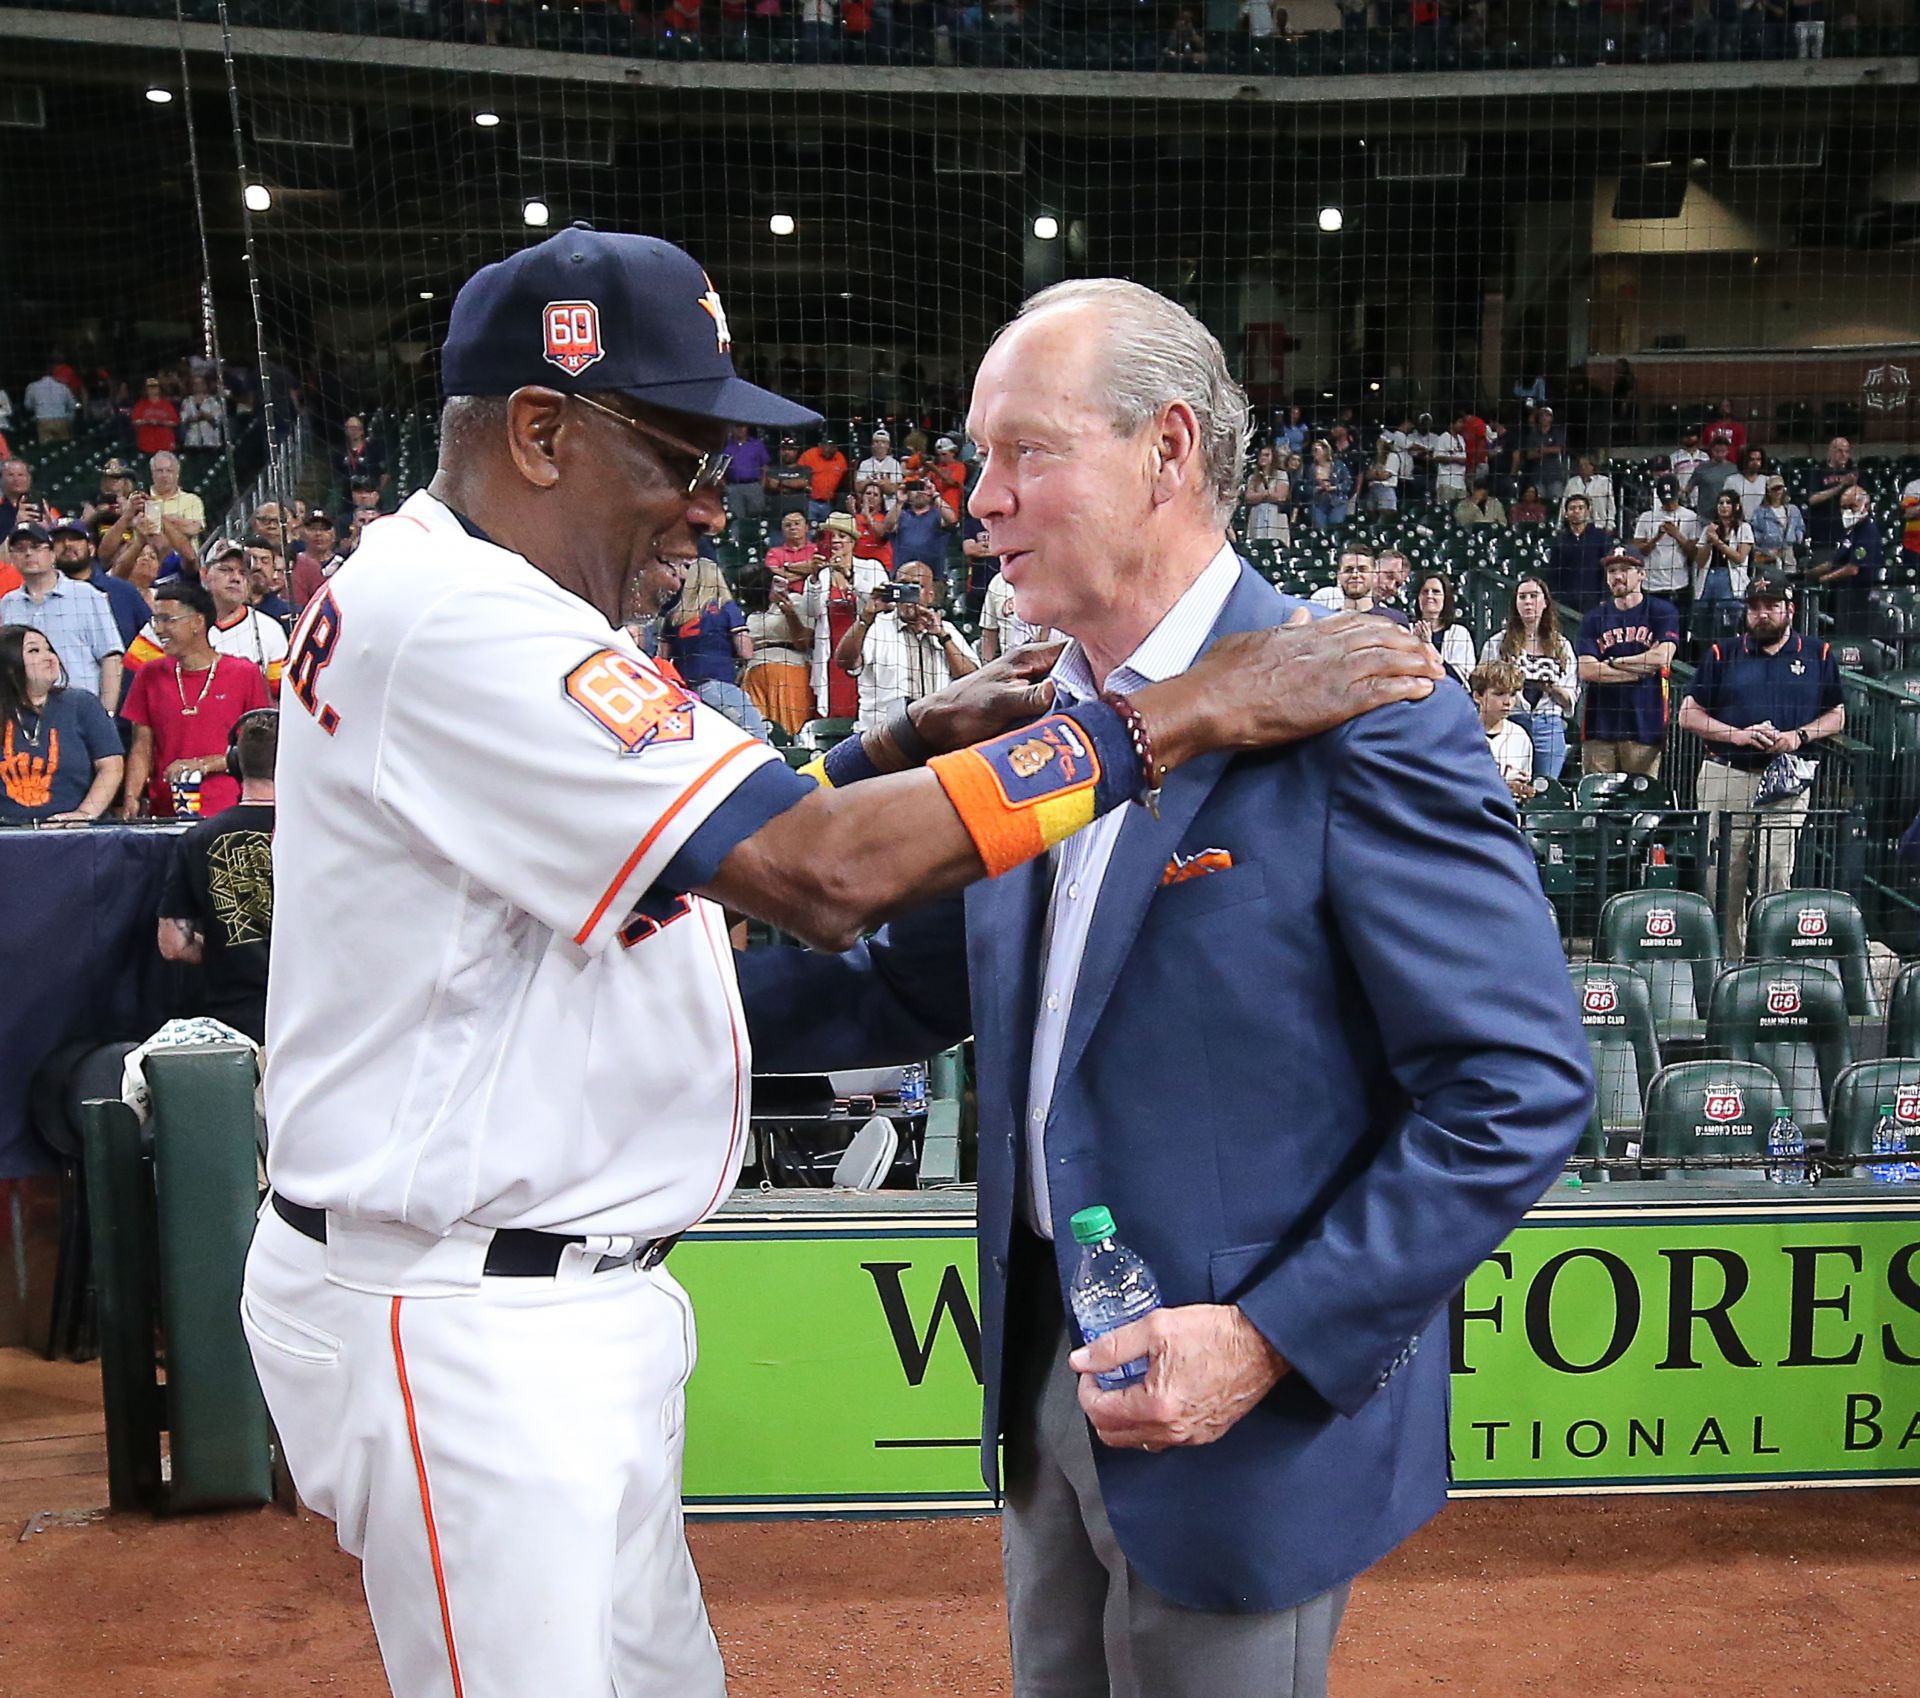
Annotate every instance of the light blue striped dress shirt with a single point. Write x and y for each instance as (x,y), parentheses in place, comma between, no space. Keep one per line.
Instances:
(1080,863)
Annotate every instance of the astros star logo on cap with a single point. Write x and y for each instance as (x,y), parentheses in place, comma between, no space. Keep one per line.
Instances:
(711,302)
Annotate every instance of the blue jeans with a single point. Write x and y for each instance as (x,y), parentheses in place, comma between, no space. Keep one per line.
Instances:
(1327,514)
(1548,732)
(817,512)
(734,702)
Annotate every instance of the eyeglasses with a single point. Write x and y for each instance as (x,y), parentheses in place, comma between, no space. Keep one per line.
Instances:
(709,470)
(160,619)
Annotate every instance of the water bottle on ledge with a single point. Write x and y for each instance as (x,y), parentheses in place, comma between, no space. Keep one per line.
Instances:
(1786,1140)
(1889,1140)
(913,1088)
(1111,1286)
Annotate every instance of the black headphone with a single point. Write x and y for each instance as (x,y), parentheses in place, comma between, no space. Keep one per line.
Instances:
(246,719)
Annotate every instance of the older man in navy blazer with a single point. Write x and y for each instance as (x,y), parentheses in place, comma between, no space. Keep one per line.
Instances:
(1237,1024)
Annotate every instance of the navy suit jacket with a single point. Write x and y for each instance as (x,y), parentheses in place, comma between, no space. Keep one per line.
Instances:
(1322,1083)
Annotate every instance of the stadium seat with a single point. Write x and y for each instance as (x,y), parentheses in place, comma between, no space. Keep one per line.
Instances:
(1674,939)
(1617,1012)
(1817,925)
(1619,790)
(1791,1017)
(1858,1096)
(1903,1012)
(1710,1108)
(820,735)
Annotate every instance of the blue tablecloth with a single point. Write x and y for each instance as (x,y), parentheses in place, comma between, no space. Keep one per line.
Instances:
(77,913)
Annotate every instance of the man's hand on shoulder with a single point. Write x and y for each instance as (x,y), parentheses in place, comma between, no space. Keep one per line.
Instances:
(1259,689)
(994,698)
(1207,1365)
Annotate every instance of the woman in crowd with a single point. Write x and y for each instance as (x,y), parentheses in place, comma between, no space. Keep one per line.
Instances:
(1382,492)
(869,515)
(1550,675)
(1437,620)
(1329,486)
(778,679)
(60,759)
(203,418)
(1265,499)
(1779,530)
(1529,509)
(1720,558)
(704,634)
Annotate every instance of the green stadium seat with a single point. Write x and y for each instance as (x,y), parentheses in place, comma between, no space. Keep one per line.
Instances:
(1549,793)
(1674,939)
(1903,1012)
(1791,1017)
(1619,790)
(819,735)
(1711,1109)
(1824,926)
(1858,1096)
(1617,1013)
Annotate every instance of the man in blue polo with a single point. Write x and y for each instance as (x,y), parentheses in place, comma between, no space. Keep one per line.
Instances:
(1768,692)
(1624,648)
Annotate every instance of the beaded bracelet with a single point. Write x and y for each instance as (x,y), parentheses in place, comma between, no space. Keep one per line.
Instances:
(1152,775)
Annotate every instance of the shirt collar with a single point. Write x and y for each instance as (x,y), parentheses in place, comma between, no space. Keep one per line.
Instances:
(1170,647)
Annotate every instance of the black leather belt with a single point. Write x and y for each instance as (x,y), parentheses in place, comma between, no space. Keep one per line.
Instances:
(515,1253)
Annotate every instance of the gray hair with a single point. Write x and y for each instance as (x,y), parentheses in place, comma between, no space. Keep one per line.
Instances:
(1158,352)
(166,454)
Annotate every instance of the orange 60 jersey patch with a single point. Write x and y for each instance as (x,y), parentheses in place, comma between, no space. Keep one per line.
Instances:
(632,702)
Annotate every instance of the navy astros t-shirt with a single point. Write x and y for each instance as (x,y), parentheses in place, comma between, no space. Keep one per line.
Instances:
(1626,713)
(47,759)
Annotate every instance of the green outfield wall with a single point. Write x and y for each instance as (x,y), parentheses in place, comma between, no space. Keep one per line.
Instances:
(1640,1346)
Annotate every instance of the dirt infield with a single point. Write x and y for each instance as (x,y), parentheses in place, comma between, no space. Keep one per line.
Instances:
(1735,1597)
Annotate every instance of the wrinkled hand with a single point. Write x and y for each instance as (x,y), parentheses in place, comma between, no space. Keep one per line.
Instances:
(187,769)
(1305,677)
(1000,695)
(1206,1367)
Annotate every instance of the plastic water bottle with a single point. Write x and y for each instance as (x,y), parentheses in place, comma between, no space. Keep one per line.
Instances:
(1787,1142)
(913,1088)
(1889,1140)
(1111,1286)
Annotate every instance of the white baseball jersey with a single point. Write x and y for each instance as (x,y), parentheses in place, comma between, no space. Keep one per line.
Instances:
(251,635)
(481,1006)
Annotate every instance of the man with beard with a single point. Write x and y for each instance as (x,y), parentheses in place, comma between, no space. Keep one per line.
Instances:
(1768,692)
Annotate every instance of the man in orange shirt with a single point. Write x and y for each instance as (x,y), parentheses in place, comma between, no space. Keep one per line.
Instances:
(948,475)
(827,467)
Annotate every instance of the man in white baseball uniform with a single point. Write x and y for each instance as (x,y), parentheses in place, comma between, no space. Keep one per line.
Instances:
(506,1060)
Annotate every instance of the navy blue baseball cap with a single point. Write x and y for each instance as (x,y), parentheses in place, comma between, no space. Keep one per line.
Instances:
(603,311)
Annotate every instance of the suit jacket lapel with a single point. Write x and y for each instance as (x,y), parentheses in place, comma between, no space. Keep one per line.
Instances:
(1146,844)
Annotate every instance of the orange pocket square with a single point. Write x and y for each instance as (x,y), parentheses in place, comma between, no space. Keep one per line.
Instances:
(1197,865)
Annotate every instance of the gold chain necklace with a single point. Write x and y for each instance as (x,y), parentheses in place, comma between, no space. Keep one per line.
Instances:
(179,683)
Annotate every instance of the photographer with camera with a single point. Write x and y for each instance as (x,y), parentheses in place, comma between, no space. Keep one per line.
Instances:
(901,647)
(918,525)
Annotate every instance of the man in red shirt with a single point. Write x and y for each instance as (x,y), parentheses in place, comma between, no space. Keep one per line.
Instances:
(319,558)
(155,420)
(794,558)
(181,708)
(827,467)
(1728,429)
(948,475)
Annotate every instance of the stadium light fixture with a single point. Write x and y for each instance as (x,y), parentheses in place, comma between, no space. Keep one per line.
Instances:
(426,294)
(258,196)
(1046,227)
(1373,388)
(782,224)
(534,214)
(1332,220)
(487,120)
(159,96)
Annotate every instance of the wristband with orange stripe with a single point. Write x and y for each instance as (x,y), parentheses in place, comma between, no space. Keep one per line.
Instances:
(1020,794)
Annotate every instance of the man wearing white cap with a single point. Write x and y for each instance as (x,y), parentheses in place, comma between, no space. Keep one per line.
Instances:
(948,475)
(880,467)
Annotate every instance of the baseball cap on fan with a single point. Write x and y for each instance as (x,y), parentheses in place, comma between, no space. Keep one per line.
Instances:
(591,311)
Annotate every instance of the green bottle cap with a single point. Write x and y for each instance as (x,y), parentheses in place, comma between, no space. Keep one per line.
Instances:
(1783,1114)
(1886,1110)
(1092,1225)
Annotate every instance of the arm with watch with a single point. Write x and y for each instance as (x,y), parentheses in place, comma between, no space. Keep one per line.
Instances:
(1767,738)
(921,809)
